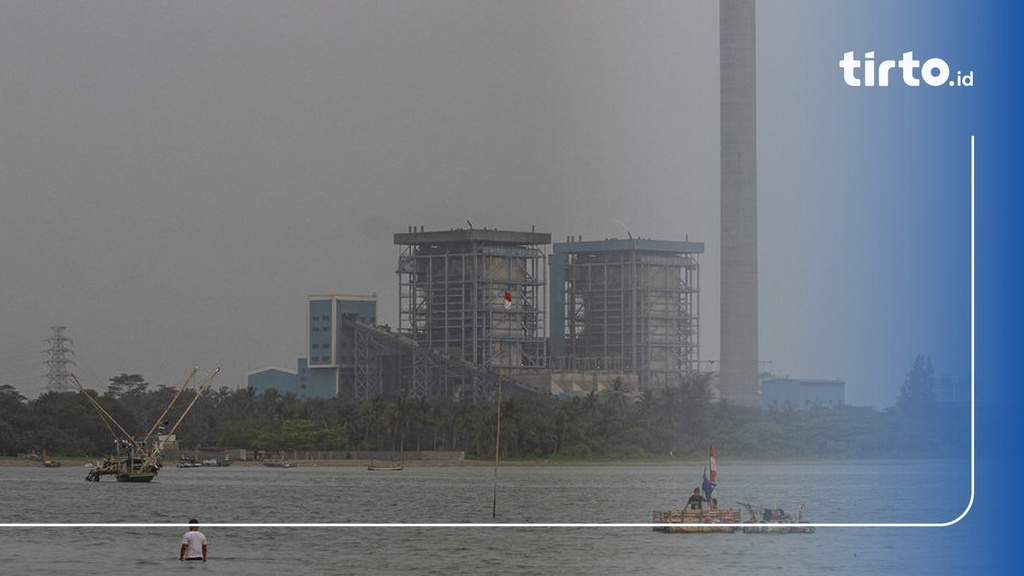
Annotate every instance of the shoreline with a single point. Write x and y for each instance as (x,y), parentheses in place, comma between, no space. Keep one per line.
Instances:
(14,461)
(78,461)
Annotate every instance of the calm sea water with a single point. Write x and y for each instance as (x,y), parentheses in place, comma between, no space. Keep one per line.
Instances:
(918,492)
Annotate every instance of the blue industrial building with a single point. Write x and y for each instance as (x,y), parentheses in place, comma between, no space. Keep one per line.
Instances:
(783,393)
(329,361)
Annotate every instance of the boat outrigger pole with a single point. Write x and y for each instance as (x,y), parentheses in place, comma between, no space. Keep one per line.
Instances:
(104,415)
(199,392)
(145,440)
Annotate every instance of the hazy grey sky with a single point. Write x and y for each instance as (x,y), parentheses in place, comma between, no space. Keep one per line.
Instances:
(177,177)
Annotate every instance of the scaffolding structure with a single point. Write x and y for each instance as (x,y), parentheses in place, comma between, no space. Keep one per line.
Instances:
(629,306)
(475,295)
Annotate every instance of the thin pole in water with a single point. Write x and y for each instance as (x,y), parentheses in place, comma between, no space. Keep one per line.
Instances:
(497,441)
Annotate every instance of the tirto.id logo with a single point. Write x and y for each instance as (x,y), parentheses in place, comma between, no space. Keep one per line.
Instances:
(934,71)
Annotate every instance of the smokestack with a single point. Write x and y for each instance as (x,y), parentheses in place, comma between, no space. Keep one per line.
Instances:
(739,329)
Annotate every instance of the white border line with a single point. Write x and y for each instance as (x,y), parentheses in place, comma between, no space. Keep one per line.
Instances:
(970,503)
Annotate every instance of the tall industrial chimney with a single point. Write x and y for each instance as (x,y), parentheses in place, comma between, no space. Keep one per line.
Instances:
(739,356)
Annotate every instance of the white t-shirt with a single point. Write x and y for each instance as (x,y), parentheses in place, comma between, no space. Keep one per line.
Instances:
(195,540)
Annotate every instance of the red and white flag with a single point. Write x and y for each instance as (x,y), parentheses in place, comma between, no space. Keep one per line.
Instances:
(714,472)
(709,484)
(508,299)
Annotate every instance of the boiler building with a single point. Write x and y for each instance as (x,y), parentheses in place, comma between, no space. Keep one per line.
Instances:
(475,295)
(626,306)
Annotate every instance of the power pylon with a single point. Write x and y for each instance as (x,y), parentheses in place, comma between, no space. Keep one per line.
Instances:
(58,377)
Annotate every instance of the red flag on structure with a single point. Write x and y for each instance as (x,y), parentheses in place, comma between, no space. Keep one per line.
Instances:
(508,299)
(714,472)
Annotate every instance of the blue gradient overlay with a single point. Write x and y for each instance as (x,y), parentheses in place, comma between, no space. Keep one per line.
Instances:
(884,174)
(991,526)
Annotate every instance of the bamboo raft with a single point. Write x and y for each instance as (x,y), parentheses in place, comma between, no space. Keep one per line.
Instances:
(697,521)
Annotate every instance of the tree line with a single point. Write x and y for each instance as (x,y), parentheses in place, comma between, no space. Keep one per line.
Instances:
(674,422)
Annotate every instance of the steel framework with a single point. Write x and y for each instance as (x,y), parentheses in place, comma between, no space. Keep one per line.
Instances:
(632,306)
(475,295)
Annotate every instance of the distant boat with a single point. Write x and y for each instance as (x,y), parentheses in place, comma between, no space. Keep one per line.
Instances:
(51,463)
(216,462)
(392,465)
(278,464)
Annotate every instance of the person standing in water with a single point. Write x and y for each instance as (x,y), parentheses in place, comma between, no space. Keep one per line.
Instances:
(193,543)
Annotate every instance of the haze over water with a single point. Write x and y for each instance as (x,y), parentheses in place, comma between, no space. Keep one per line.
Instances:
(868,492)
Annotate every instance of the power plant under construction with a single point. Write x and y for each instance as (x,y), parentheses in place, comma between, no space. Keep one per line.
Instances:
(476,305)
(472,302)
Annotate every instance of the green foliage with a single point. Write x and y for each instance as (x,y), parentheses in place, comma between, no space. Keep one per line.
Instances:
(917,395)
(127,385)
(676,421)
(14,418)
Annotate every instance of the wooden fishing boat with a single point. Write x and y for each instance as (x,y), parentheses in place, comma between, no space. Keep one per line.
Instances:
(775,520)
(393,466)
(129,468)
(278,464)
(137,458)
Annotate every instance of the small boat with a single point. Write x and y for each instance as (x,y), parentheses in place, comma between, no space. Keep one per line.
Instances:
(782,522)
(49,462)
(215,462)
(188,463)
(278,464)
(130,468)
(695,517)
(393,465)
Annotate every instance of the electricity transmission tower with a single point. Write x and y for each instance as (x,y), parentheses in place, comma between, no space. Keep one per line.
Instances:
(58,377)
